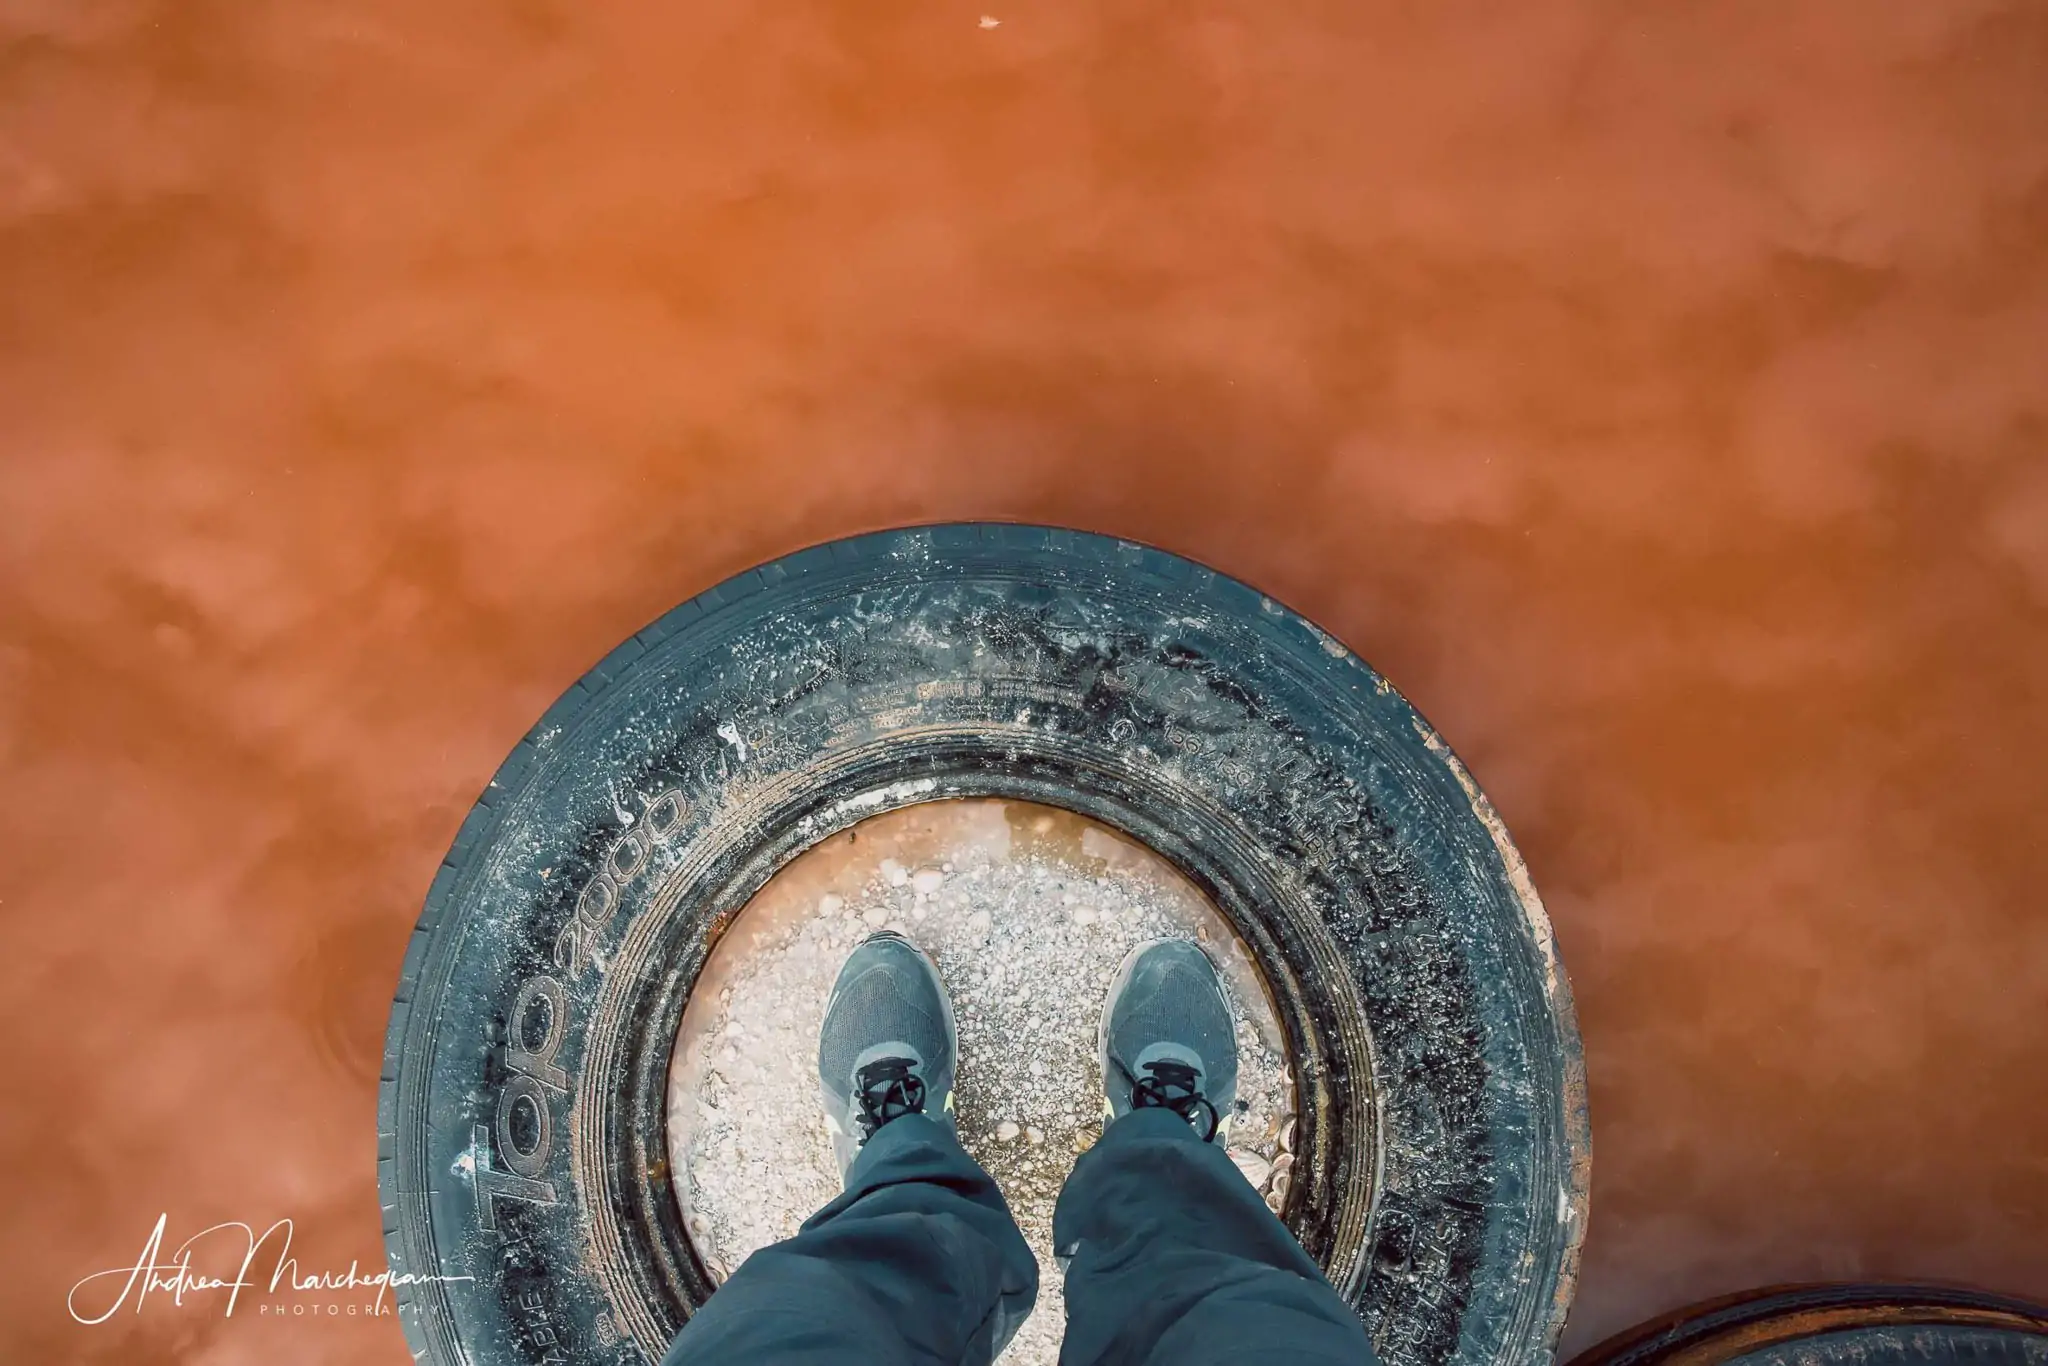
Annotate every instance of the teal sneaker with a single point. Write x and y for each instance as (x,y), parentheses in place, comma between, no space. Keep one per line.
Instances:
(888,1047)
(1167,1040)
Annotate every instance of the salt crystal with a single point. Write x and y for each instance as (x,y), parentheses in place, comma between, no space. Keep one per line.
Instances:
(875,915)
(1034,1133)
(1084,915)
(1007,1130)
(894,872)
(928,880)
(829,904)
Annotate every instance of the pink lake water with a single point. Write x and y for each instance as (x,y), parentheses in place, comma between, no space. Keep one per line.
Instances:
(1655,396)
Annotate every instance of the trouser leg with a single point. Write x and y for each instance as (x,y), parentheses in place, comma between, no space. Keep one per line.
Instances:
(1176,1261)
(918,1263)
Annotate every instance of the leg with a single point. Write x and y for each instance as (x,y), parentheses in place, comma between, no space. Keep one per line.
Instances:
(917,1264)
(1172,1258)
(1177,1262)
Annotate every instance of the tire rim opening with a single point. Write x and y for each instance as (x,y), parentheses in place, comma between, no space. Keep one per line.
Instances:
(1028,911)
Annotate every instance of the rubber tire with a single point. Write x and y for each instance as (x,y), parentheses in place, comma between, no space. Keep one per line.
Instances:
(1860,1324)
(1442,1150)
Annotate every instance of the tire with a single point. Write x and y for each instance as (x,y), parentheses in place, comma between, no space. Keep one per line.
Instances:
(1838,1325)
(1442,1147)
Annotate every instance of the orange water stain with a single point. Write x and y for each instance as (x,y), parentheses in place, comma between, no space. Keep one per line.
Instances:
(1654,396)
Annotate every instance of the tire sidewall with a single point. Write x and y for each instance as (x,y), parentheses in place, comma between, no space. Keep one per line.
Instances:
(522,1145)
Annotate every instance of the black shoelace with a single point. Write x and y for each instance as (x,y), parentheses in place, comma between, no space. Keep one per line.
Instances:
(888,1090)
(1172,1087)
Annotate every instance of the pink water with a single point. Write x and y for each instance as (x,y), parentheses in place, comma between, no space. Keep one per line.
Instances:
(1656,396)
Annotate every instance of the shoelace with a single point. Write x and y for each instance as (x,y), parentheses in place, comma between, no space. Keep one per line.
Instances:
(888,1090)
(1172,1087)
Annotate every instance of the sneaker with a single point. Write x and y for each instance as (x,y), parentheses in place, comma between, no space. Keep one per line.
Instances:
(1167,1039)
(888,1047)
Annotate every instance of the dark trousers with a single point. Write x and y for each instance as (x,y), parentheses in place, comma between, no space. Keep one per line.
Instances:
(1173,1260)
